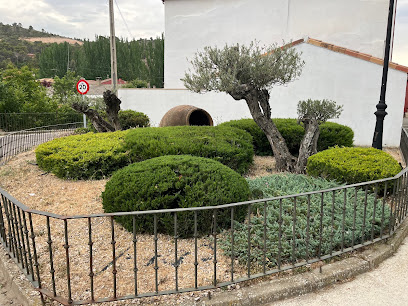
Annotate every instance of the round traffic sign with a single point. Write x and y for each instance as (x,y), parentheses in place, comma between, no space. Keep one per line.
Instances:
(82,87)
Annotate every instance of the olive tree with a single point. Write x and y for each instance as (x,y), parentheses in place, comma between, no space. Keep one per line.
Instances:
(249,73)
(312,113)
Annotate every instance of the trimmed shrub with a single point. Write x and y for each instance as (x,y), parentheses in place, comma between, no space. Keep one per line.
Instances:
(232,147)
(84,156)
(357,225)
(352,165)
(130,119)
(331,134)
(334,134)
(169,182)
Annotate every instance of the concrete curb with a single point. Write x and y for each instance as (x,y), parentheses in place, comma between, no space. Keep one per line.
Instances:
(17,281)
(299,284)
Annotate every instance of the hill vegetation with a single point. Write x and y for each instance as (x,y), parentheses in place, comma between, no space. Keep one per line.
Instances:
(15,50)
(141,59)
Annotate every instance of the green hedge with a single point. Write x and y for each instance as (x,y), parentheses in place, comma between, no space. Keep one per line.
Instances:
(87,156)
(232,147)
(169,182)
(97,155)
(352,165)
(358,222)
(131,119)
(331,134)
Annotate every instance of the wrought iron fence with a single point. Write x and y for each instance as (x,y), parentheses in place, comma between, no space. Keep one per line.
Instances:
(91,258)
(11,122)
(17,142)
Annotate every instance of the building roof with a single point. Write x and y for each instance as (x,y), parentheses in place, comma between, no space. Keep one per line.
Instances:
(353,53)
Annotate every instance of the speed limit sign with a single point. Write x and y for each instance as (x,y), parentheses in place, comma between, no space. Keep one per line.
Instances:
(82,87)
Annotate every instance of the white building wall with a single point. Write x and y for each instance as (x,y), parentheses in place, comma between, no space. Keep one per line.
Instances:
(190,25)
(351,82)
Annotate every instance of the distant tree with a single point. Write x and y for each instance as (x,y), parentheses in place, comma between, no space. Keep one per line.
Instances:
(136,84)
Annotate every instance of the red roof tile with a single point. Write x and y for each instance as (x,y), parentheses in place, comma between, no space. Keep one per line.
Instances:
(360,55)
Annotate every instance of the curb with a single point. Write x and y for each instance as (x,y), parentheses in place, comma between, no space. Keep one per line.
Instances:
(291,286)
(17,281)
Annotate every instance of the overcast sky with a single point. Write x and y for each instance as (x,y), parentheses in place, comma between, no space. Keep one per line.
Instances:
(144,19)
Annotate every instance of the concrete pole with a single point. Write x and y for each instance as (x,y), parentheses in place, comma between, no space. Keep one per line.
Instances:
(114,69)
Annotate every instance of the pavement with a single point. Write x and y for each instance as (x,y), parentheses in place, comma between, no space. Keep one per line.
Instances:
(385,285)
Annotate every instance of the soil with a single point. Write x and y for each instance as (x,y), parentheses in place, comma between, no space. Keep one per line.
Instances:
(7,296)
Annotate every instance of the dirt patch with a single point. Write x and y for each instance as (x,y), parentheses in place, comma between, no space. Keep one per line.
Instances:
(50,40)
(22,178)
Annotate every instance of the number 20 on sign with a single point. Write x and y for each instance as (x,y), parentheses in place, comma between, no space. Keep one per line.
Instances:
(82,87)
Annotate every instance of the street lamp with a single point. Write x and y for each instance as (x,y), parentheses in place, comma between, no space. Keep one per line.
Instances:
(381,106)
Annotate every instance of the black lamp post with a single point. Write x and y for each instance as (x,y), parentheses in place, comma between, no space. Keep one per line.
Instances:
(381,106)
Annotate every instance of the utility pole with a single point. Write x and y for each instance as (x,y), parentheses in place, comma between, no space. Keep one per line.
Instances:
(114,69)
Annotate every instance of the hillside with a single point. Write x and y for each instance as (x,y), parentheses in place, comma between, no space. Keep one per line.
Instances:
(22,46)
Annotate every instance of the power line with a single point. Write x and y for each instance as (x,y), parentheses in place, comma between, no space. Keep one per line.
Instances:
(124,21)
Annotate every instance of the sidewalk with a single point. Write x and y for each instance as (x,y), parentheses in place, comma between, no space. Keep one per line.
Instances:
(386,285)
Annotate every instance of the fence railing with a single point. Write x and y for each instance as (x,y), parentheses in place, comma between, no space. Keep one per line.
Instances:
(11,122)
(91,258)
(14,143)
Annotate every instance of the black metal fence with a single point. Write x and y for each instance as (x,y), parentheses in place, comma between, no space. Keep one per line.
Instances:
(91,258)
(11,122)
(14,143)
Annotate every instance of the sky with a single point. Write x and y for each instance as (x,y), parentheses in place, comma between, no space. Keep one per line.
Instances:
(133,19)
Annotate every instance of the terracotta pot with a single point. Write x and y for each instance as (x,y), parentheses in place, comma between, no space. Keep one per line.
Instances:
(186,115)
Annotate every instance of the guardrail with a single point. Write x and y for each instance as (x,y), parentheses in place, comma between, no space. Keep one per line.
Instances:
(14,143)
(91,258)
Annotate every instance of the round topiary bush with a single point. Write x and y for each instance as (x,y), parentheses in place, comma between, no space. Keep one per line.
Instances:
(131,119)
(86,156)
(180,181)
(352,165)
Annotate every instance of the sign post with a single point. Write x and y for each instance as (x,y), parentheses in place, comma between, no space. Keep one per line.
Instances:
(83,87)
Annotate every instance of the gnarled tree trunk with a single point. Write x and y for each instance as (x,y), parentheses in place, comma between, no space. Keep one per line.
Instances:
(97,121)
(258,104)
(112,108)
(308,146)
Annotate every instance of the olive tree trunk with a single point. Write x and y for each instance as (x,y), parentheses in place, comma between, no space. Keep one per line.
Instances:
(308,146)
(258,104)
(112,108)
(97,121)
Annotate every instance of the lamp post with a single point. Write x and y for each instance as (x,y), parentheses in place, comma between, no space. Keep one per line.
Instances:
(381,106)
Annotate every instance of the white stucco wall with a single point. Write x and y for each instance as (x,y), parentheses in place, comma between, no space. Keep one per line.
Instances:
(190,25)
(352,82)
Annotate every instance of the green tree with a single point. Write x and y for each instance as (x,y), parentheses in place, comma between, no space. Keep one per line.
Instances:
(64,88)
(21,92)
(312,113)
(249,73)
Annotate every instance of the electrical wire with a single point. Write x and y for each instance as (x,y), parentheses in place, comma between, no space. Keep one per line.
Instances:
(124,21)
